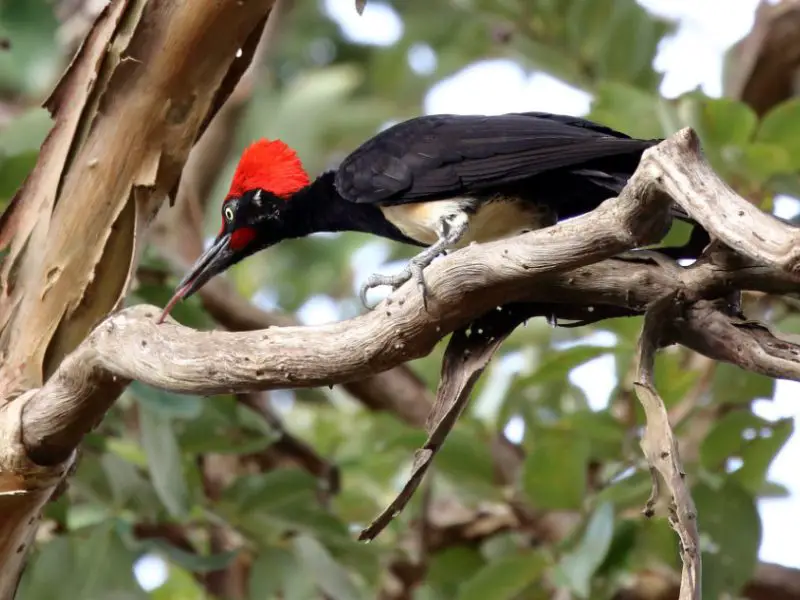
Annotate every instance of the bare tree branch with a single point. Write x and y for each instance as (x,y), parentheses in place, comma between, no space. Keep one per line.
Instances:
(736,340)
(661,449)
(688,178)
(465,285)
(177,233)
(560,270)
(130,345)
(466,356)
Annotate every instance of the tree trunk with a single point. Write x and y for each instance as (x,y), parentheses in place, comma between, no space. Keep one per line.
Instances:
(139,92)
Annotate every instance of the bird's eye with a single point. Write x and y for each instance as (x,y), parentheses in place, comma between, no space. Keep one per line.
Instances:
(228,212)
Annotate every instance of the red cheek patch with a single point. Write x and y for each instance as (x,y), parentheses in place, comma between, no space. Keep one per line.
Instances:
(241,237)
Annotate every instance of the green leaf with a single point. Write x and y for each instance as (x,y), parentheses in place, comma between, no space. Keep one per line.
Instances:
(629,491)
(127,450)
(164,461)
(505,578)
(446,569)
(86,515)
(167,404)
(197,563)
(655,542)
(578,566)
(631,39)
(269,504)
(271,490)
(330,576)
(25,133)
(736,386)
(554,472)
(722,121)
(730,529)
(129,488)
(781,127)
(725,438)
(746,436)
(605,432)
(622,545)
(559,363)
(180,585)
(50,572)
(35,56)
(646,115)
(673,380)
(270,573)
(13,171)
(67,567)
(466,460)
(103,547)
(499,546)
(761,162)
(759,453)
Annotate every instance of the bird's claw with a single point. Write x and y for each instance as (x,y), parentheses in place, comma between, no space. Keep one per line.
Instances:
(414,270)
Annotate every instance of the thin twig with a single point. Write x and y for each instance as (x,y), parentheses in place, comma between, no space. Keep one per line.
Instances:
(661,449)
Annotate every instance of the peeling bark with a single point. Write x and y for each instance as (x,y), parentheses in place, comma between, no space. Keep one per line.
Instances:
(146,80)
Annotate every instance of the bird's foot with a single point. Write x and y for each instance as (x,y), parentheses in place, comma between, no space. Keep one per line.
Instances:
(451,229)
(414,270)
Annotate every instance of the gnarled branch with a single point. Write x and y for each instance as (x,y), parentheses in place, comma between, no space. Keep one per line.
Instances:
(567,269)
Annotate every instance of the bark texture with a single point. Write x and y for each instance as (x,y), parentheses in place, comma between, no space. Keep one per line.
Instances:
(143,85)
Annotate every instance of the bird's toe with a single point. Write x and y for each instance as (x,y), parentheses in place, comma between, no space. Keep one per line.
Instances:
(377,280)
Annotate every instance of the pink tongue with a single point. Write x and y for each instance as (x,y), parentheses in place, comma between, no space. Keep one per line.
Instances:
(173,301)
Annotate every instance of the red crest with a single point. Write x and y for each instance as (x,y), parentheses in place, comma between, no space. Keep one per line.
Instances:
(269,165)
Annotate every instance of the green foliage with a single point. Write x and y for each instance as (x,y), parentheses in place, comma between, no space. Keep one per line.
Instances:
(164,461)
(586,41)
(576,568)
(192,464)
(33,56)
(781,127)
(92,563)
(749,438)
(505,578)
(734,385)
(554,475)
(729,552)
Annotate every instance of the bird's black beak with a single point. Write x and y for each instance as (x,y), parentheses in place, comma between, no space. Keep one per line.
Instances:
(213,261)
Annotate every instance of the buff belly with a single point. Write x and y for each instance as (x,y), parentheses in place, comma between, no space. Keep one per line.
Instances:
(487,221)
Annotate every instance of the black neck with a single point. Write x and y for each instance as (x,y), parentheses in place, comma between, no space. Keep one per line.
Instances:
(319,208)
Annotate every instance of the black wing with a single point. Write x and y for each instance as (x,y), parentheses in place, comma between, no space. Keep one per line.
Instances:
(440,156)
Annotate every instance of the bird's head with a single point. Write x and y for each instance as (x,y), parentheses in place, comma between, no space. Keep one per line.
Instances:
(269,173)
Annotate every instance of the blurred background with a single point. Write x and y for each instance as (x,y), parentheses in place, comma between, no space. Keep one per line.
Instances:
(538,491)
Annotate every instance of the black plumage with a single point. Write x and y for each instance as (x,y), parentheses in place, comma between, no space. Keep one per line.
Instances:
(441,156)
(443,181)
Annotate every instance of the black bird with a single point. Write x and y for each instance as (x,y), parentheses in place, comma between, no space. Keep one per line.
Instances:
(438,181)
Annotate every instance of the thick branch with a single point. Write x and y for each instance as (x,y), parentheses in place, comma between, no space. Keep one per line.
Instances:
(131,346)
(464,286)
(687,177)
(747,344)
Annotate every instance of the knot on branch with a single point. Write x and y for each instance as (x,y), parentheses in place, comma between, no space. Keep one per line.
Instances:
(19,471)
